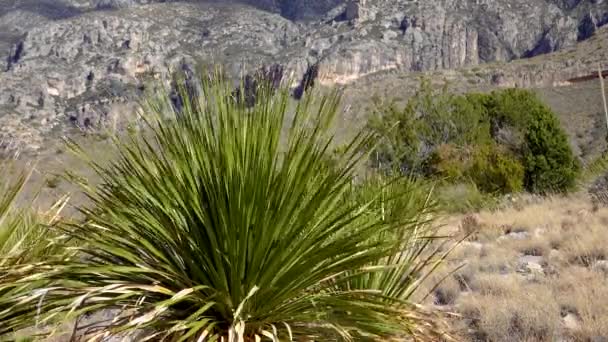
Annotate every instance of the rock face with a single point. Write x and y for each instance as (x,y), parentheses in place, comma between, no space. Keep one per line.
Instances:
(78,70)
(74,61)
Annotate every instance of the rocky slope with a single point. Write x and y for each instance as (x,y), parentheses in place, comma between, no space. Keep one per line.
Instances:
(80,62)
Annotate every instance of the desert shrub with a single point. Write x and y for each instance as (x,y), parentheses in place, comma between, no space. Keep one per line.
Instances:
(431,118)
(511,107)
(469,114)
(24,231)
(399,146)
(496,170)
(549,161)
(492,168)
(395,199)
(217,223)
(450,162)
(536,134)
(502,141)
(14,231)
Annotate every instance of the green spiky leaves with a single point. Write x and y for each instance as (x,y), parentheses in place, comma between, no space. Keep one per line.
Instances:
(221,221)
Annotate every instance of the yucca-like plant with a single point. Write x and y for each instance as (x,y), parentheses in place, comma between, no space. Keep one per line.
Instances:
(224,222)
(25,239)
(13,232)
(409,205)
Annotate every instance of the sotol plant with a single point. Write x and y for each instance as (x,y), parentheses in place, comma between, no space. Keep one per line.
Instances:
(225,222)
(25,239)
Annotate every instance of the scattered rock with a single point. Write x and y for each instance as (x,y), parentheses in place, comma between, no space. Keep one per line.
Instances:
(600,266)
(514,236)
(389,35)
(571,321)
(530,264)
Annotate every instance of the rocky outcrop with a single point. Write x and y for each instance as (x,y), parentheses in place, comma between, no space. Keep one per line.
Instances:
(75,71)
(445,35)
(65,61)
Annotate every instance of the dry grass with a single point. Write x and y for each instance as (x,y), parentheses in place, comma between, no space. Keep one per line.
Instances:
(536,272)
(536,246)
(584,293)
(447,292)
(513,315)
(584,245)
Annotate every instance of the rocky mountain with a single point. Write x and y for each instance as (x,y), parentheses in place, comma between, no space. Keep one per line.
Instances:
(80,63)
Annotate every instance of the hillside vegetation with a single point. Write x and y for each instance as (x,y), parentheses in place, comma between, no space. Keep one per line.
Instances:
(231,215)
(216,221)
(533,272)
(505,141)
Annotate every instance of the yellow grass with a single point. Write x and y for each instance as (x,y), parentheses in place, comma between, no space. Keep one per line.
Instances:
(502,298)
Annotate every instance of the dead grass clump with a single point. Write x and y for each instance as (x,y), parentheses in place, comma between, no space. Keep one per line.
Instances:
(495,259)
(584,293)
(587,245)
(528,314)
(550,212)
(442,287)
(502,296)
(467,250)
(464,277)
(555,239)
(535,247)
(513,229)
(495,285)
(568,225)
(447,292)
(489,234)
(603,220)
(470,225)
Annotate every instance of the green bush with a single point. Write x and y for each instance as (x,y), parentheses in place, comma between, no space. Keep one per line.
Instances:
(399,144)
(502,141)
(449,162)
(430,119)
(470,117)
(511,107)
(537,137)
(549,161)
(496,170)
(491,168)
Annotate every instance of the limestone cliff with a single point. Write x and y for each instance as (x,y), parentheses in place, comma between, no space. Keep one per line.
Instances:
(72,61)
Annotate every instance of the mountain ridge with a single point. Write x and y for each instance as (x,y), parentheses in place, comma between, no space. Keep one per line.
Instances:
(75,62)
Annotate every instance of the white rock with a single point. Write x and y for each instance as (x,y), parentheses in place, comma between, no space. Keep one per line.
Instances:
(388,35)
(514,236)
(571,321)
(530,264)
(601,266)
